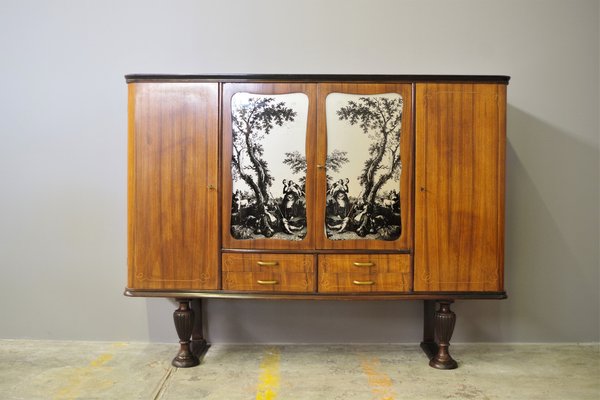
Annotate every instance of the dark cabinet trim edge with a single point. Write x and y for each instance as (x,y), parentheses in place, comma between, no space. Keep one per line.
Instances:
(131,78)
(309,296)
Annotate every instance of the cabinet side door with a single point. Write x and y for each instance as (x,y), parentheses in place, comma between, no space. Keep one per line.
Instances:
(173,185)
(459,177)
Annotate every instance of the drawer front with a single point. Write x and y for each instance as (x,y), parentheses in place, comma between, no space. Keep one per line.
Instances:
(263,272)
(357,273)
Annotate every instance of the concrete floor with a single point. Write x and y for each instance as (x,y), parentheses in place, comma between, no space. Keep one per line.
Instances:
(90,370)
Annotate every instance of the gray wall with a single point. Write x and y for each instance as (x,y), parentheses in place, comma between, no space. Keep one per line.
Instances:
(63,154)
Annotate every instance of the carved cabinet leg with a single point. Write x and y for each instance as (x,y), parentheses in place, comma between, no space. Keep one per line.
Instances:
(199,345)
(184,324)
(444,321)
(428,344)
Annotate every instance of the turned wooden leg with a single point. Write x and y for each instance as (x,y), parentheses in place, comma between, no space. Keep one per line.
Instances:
(444,321)
(428,344)
(199,345)
(184,324)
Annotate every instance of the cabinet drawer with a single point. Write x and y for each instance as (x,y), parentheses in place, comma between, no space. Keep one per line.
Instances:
(262,272)
(347,273)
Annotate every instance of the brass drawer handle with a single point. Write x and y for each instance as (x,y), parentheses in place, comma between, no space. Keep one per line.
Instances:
(363,264)
(363,282)
(267,263)
(260,282)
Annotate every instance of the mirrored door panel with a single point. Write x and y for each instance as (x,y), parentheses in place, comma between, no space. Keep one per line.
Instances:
(365,161)
(268,138)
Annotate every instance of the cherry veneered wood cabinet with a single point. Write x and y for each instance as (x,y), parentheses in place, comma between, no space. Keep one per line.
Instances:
(320,187)
(173,179)
(460,151)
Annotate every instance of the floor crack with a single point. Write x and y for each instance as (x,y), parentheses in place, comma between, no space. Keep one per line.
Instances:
(164,383)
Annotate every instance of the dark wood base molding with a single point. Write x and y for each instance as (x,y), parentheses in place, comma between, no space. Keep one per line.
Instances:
(207,294)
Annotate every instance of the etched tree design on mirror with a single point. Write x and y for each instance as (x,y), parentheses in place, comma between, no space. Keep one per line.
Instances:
(380,118)
(253,120)
(297,163)
(374,213)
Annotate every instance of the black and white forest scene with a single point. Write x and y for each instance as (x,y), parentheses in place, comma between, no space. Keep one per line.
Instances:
(268,166)
(363,166)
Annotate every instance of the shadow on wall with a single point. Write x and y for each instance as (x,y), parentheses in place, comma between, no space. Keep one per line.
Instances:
(551,257)
(551,267)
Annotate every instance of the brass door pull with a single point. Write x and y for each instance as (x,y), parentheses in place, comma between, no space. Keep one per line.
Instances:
(363,264)
(267,263)
(363,283)
(261,282)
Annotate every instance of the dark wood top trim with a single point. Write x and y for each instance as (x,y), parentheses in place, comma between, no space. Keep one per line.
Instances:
(131,78)
(290,296)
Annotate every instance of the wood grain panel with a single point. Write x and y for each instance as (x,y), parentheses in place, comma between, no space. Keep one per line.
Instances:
(229,90)
(459,208)
(404,242)
(264,272)
(359,273)
(173,181)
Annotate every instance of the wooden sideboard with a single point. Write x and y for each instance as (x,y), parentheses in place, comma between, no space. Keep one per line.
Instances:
(317,187)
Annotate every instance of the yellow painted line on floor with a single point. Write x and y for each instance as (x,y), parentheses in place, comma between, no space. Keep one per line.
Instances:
(381,384)
(268,381)
(78,379)
(101,360)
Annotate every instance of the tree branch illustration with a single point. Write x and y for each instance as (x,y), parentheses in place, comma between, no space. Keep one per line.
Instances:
(379,118)
(251,122)
(297,162)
